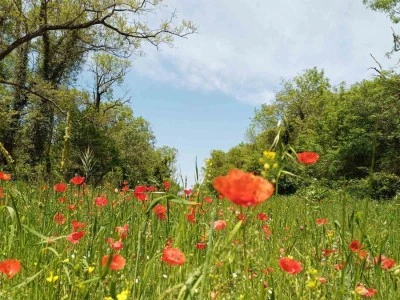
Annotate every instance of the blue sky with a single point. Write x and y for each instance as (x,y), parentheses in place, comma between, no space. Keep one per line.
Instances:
(200,94)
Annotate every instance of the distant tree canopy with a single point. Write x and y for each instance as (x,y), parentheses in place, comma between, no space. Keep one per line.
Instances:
(347,126)
(47,124)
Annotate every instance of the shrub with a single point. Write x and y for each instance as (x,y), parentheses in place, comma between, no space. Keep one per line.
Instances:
(384,185)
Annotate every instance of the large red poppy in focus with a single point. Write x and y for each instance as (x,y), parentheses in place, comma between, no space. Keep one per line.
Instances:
(244,188)
(290,265)
(307,158)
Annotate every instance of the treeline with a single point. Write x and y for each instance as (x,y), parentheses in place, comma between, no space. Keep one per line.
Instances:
(49,123)
(355,130)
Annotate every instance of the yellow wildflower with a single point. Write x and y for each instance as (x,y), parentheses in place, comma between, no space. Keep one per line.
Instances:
(312,283)
(313,271)
(123,295)
(269,155)
(51,277)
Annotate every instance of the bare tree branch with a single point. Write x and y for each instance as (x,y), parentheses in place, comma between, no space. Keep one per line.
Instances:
(116,103)
(379,71)
(99,17)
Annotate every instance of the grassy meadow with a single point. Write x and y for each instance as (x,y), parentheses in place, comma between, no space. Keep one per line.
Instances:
(342,248)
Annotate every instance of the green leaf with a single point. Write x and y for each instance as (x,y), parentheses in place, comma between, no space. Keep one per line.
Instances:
(12,213)
(33,231)
(27,280)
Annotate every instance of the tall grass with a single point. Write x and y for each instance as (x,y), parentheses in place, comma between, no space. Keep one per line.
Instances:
(233,265)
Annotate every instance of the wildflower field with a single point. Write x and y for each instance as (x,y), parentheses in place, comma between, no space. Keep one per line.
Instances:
(75,241)
(304,205)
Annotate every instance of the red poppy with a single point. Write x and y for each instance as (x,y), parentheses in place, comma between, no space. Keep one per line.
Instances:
(140,189)
(10,267)
(267,231)
(160,211)
(72,207)
(59,218)
(338,266)
(307,158)
(241,217)
(125,188)
(187,192)
(2,195)
(243,188)
(101,201)
(151,188)
(362,254)
(140,196)
(219,225)
(139,192)
(201,246)
(191,217)
(60,187)
(262,217)
(166,185)
(290,266)
(388,263)
(173,256)
(321,221)
(355,246)
(77,180)
(322,280)
(75,236)
(117,262)
(122,230)
(208,199)
(115,245)
(76,225)
(5,176)
(363,291)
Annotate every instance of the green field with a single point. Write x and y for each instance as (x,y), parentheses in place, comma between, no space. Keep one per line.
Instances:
(237,262)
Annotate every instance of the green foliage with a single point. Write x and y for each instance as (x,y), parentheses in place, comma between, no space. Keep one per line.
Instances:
(342,124)
(44,45)
(385,186)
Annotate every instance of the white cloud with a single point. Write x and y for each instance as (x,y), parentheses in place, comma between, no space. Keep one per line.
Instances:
(245,48)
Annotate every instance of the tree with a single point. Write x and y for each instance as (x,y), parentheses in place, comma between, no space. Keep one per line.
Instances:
(116,25)
(392,9)
(107,71)
(44,43)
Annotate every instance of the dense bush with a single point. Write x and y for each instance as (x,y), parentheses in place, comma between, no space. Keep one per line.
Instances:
(384,185)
